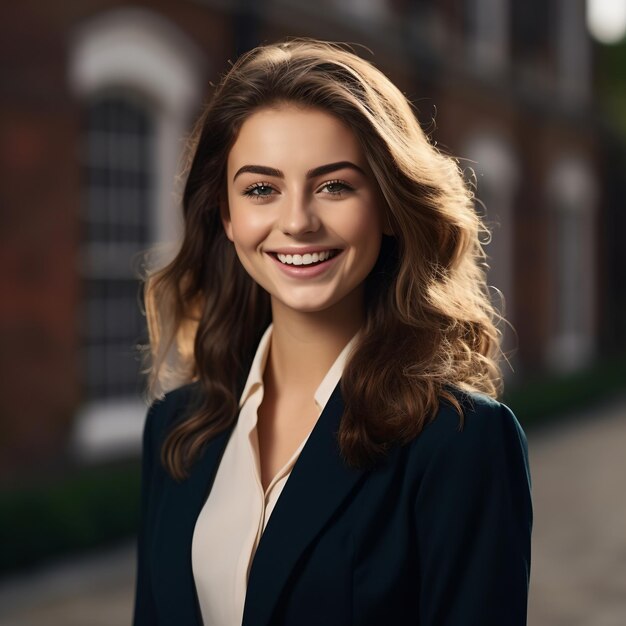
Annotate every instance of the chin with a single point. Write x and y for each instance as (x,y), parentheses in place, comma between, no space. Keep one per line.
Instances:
(306,306)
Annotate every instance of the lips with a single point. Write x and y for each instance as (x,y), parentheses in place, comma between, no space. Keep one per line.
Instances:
(305,259)
(305,252)
(302,263)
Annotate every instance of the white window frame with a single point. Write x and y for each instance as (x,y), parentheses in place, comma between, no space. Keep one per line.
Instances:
(139,50)
(573,53)
(492,157)
(488,47)
(572,193)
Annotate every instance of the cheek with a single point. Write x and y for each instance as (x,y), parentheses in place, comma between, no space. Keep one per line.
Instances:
(363,224)
(248,227)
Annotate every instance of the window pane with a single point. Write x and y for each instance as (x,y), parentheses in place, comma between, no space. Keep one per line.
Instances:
(118,179)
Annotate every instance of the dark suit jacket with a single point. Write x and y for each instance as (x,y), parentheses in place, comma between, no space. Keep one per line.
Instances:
(439,535)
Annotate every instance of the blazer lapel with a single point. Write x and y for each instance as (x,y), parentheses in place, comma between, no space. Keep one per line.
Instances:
(318,484)
(182,502)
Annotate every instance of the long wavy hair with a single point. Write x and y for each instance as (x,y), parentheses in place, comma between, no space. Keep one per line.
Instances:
(431,327)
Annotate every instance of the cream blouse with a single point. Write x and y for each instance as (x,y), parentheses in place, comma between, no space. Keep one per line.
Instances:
(230,525)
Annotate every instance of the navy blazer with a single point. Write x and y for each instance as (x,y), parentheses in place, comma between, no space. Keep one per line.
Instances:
(437,535)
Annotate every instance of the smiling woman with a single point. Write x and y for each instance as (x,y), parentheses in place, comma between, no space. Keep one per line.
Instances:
(337,454)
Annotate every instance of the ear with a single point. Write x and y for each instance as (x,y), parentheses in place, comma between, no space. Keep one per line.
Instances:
(225,216)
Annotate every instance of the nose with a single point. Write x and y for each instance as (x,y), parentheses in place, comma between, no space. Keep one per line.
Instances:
(298,216)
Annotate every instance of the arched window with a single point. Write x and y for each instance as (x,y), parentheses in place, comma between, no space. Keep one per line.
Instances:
(497,176)
(533,24)
(573,53)
(486,25)
(572,197)
(138,80)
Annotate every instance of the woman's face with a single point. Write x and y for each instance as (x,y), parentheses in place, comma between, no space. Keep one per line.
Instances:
(299,191)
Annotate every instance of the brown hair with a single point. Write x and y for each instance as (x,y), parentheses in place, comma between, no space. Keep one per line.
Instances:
(430,325)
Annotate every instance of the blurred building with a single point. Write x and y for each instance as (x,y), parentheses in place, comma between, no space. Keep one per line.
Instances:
(98,96)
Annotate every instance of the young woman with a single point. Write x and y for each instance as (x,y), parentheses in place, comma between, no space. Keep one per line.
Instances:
(333,452)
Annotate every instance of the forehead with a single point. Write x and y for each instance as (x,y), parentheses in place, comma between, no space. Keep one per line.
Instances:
(289,136)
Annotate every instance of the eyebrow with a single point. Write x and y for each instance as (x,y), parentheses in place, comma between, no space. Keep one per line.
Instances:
(312,173)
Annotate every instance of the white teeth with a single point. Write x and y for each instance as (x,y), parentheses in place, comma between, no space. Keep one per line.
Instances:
(304,259)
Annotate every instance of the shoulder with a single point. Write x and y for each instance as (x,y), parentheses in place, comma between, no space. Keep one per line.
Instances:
(478,472)
(472,508)
(484,419)
(487,438)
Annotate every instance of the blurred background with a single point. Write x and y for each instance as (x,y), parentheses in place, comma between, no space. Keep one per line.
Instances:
(97,99)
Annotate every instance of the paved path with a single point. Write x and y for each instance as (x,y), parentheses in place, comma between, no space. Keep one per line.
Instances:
(578,571)
(578,575)
(96,590)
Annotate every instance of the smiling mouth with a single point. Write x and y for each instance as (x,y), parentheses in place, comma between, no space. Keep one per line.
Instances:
(305,260)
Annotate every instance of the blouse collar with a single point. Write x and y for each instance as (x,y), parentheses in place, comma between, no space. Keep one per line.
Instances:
(325,388)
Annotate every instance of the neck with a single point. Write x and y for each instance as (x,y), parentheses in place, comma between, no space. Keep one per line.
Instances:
(304,345)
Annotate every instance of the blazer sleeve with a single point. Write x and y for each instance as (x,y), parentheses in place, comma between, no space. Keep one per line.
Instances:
(474,519)
(144,609)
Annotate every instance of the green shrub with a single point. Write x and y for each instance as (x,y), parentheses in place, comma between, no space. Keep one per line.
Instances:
(539,401)
(90,508)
